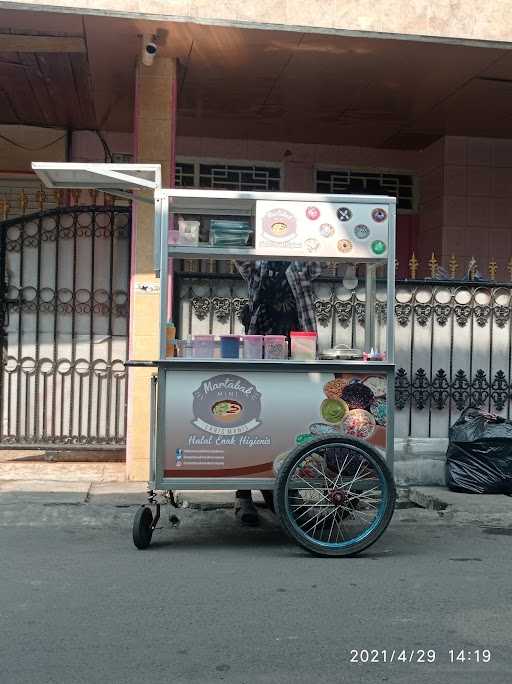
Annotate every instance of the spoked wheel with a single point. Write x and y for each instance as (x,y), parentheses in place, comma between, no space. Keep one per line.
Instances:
(335,496)
(143,527)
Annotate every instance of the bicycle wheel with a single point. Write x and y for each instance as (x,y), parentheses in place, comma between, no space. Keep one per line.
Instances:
(335,495)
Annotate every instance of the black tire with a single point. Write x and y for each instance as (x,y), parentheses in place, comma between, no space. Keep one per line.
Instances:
(142,527)
(280,495)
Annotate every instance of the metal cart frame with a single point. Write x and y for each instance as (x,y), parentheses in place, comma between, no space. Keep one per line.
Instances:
(126,181)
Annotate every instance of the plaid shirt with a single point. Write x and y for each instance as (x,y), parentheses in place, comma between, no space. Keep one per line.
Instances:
(299,275)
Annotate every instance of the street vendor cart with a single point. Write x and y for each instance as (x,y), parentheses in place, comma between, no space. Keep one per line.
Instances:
(313,423)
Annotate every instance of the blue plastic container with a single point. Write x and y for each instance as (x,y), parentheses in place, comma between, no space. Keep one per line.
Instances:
(230,346)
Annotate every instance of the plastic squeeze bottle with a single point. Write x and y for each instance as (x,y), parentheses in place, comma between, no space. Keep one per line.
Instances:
(170,334)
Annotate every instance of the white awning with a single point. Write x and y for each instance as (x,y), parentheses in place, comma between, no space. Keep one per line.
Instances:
(104,177)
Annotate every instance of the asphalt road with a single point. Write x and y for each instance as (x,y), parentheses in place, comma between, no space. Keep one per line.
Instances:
(210,602)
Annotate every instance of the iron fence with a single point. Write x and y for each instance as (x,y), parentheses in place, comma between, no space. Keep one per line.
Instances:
(64,326)
(453,338)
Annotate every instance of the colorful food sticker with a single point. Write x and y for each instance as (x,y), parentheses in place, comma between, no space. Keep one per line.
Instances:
(378,247)
(313,213)
(317,429)
(333,410)
(361,231)
(379,410)
(358,396)
(311,466)
(358,423)
(377,384)
(279,224)
(227,410)
(334,388)
(326,230)
(312,244)
(344,214)
(303,438)
(379,215)
(344,246)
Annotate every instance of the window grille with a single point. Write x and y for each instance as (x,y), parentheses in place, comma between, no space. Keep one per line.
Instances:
(206,175)
(347,181)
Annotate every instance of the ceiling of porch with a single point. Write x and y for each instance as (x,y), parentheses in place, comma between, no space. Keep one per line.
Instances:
(269,85)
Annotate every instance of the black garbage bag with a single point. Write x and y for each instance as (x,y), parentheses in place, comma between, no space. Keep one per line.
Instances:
(479,456)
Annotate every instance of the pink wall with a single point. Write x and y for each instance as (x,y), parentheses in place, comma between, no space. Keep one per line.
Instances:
(298,160)
(465,186)
(430,224)
(477,201)
(298,163)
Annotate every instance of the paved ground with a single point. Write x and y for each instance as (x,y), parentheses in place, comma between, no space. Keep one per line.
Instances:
(210,602)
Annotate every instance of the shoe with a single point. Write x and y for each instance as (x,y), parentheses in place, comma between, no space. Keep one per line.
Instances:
(246,512)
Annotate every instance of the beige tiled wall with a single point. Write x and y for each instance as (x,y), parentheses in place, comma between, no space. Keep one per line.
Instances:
(154,143)
(477,201)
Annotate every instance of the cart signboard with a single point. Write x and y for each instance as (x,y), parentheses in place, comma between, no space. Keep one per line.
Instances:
(358,231)
(243,424)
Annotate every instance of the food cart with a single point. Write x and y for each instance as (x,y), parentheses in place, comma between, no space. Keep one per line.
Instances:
(315,427)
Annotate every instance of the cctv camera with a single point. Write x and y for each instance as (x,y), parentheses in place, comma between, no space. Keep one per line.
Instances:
(149,51)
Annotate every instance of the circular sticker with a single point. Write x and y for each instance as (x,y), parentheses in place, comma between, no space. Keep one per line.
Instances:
(358,423)
(378,247)
(326,230)
(379,410)
(313,213)
(344,214)
(312,244)
(279,224)
(361,231)
(377,384)
(357,396)
(318,429)
(379,215)
(333,410)
(344,246)
(334,388)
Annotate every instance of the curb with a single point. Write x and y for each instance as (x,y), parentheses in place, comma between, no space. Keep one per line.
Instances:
(429,501)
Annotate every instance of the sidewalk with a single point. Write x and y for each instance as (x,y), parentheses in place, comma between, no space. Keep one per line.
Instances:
(104,484)
(484,509)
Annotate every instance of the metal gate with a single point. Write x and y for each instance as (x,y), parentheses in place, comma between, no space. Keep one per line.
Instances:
(64,326)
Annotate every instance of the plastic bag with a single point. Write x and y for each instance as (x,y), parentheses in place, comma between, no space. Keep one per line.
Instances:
(479,456)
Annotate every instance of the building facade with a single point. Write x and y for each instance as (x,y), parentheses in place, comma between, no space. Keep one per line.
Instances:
(411,99)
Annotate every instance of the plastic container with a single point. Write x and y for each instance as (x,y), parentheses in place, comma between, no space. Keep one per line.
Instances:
(229,233)
(203,346)
(225,238)
(253,346)
(303,345)
(183,348)
(230,346)
(188,232)
(275,347)
(170,334)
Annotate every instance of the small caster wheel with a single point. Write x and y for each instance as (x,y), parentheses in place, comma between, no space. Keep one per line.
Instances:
(143,527)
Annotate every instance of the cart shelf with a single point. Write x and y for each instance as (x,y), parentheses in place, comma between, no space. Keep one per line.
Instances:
(245,253)
(267,364)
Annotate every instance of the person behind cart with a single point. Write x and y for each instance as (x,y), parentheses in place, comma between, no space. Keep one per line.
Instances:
(280,300)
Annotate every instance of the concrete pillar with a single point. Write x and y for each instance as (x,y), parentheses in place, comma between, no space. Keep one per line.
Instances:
(154,142)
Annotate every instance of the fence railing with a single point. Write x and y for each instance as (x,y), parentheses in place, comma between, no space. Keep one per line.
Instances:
(64,275)
(453,338)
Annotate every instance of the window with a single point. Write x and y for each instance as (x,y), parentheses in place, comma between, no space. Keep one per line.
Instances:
(347,181)
(184,175)
(210,175)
